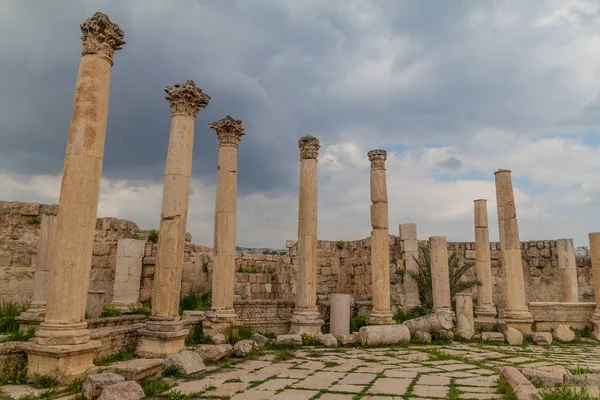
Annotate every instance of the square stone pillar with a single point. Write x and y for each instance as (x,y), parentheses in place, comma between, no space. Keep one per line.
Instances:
(128,273)
(440,277)
(410,254)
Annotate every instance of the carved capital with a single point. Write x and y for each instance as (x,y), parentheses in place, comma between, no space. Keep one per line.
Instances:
(101,36)
(186,99)
(229,131)
(309,147)
(377,158)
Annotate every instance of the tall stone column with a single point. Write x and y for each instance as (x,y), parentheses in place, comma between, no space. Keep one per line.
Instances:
(485,309)
(440,277)
(164,333)
(410,255)
(229,132)
(380,241)
(306,317)
(568,270)
(63,348)
(516,314)
(595,259)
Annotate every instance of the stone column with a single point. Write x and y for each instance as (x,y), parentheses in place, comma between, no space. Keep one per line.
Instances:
(339,314)
(485,309)
(410,255)
(164,333)
(517,313)
(440,277)
(380,241)
(37,309)
(306,317)
(128,272)
(568,270)
(595,259)
(464,315)
(229,131)
(63,348)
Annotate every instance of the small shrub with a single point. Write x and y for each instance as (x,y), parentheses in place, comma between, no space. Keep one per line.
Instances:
(248,270)
(15,376)
(125,355)
(236,333)
(272,271)
(400,271)
(309,340)
(357,322)
(154,387)
(153,236)
(142,311)
(174,395)
(505,389)
(580,370)
(205,267)
(20,336)
(195,301)
(325,329)
(172,371)
(76,385)
(198,337)
(33,220)
(109,311)
(42,381)
(340,244)
(284,354)
(8,312)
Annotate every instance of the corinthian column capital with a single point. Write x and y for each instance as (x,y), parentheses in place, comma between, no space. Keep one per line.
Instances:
(377,158)
(186,99)
(101,36)
(229,131)
(309,147)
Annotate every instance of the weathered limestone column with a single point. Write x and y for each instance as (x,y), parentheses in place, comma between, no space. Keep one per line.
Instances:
(485,309)
(128,272)
(595,259)
(229,132)
(440,278)
(63,348)
(37,309)
(517,313)
(339,314)
(164,333)
(464,315)
(380,241)
(410,255)
(568,270)
(306,317)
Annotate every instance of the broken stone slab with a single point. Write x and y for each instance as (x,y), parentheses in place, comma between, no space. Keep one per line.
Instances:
(129,390)
(288,340)
(384,334)
(547,379)
(136,369)
(214,352)
(440,320)
(542,338)
(422,337)
(513,337)
(93,385)
(327,340)
(524,390)
(347,340)
(495,337)
(260,341)
(562,333)
(187,361)
(243,348)
(583,379)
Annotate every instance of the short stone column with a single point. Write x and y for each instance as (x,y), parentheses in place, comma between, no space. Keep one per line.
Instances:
(465,326)
(568,270)
(306,317)
(128,273)
(440,277)
(410,254)
(229,131)
(164,333)
(380,241)
(63,348)
(595,259)
(516,314)
(485,309)
(339,314)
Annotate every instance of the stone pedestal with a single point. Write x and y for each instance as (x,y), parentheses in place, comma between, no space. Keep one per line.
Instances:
(339,314)
(440,278)
(380,241)
(568,270)
(164,334)
(306,317)
(516,314)
(410,255)
(63,347)
(595,258)
(94,303)
(464,315)
(229,131)
(485,309)
(128,273)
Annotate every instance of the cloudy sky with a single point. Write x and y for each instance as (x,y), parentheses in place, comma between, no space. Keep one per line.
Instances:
(452,90)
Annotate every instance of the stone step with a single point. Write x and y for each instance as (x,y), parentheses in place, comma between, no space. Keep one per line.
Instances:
(136,369)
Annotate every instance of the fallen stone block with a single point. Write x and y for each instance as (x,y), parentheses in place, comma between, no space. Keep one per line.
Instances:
(523,389)
(136,369)
(347,340)
(513,337)
(129,390)
(546,379)
(214,352)
(562,333)
(288,340)
(542,338)
(93,385)
(259,340)
(422,337)
(445,335)
(327,340)
(440,320)
(219,338)
(495,337)
(384,334)
(243,348)
(188,362)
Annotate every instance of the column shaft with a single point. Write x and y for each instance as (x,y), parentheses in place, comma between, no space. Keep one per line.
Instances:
(42,266)
(595,259)
(568,270)
(485,308)
(410,255)
(440,278)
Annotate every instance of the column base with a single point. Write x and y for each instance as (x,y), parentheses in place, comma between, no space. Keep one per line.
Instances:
(519,319)
(55,333)
(217,322)
(306,320)
(65,363)
(161,337)
(381,318)
(486,312)
(126,306)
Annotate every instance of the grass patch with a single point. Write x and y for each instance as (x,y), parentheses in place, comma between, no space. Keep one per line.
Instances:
(309,340)
(125,355)
(42,381)
(331,364)
(247,270)
(357,322)
(142,311)
(33,220)
(236,333)
(284,354)
(566,393)
(154,387)
(172,371)
(505,389)
(8,312)
(195,301)
(579,370)
(405,315)
(15,376)
(198,337)
(20,336)
(110,311)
